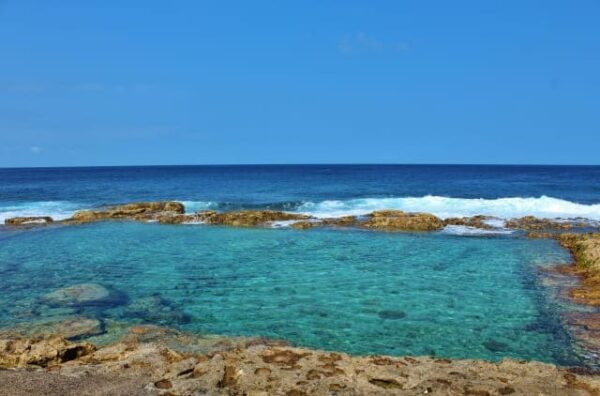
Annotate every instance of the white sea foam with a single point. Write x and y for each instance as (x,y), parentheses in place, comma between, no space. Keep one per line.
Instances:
(195,206)
(465,230)
(444,207)
(58,210)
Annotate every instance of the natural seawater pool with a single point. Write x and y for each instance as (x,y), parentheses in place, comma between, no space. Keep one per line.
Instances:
(354,291)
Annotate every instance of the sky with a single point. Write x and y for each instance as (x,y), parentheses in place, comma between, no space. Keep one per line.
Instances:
(254,82)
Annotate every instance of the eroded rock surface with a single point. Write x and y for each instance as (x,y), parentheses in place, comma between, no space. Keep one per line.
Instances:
(397,220)
(150,367)
(144,211)
(586,253)
(24,221)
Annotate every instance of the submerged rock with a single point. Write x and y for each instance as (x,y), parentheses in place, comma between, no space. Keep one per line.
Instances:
(392,314)
(397,220)
(23,221)
(157,310)
(70,328)
(85,294)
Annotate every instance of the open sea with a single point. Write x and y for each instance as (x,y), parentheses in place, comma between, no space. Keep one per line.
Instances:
(458,293)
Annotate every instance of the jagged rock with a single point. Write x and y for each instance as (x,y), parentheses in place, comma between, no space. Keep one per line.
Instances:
(143,211)
(540,235)
(586,252)
(303,225)
(397,220)
(344,221)
(473,221)
(42,352)
(34,220)
(85,294)
(532,223)
(247,218)
(263,369)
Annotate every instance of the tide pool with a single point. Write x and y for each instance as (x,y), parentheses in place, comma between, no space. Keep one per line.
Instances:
(354,291)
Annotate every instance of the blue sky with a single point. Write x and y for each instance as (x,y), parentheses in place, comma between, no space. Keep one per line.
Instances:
(218,82)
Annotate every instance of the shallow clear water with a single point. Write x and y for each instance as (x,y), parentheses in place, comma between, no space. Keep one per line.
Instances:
(349,290)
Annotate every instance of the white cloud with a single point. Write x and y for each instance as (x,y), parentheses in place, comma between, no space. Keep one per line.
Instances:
(36,149)
(362,43)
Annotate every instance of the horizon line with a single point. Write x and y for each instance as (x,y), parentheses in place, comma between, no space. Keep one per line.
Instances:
(298,164)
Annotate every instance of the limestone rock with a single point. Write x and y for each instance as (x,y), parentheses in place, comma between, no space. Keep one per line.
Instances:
(143,211)
(42,352)
(280,370)
(248,218)
(532,223)
(473,221)
(397,220)
(23,221)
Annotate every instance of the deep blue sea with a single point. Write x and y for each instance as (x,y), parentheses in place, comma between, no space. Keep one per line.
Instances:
(454,293)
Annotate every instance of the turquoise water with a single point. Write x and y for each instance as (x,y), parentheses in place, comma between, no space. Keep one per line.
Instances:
(349,290)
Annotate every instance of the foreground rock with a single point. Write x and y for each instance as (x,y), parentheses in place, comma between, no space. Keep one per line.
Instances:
(145,211)
(135,367)
(24,221)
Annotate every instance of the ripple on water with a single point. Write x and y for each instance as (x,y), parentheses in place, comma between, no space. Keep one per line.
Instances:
(353,291)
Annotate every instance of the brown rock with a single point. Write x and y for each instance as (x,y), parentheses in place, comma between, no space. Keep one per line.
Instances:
(42,352)
(28,221)
(248,218)
(531,223)
(143,211)
(396,220)
(474,221)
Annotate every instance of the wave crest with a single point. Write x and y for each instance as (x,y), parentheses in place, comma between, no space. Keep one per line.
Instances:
(445,207)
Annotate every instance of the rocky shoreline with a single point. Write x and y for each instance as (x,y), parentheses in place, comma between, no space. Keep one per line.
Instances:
(172,212)
(144,362)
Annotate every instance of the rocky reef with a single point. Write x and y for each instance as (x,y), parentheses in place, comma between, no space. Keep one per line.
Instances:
(585,249)
(142,211)
(147,362)
(24,221)
(171,212)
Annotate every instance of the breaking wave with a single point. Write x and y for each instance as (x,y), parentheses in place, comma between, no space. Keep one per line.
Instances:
(444,207)
(58,210)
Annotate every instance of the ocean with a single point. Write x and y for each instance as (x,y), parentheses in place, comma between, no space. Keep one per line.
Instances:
(458,293)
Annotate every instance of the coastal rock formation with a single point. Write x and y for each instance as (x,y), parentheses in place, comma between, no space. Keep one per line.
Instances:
(473,221)
(22,221)
(133,211)
(531,223)
(135,367)
(41,352)
(247,218)
(397,220)
(586,253)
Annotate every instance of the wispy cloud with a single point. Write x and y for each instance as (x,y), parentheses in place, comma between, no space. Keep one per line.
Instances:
(36,149)
(363,43)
